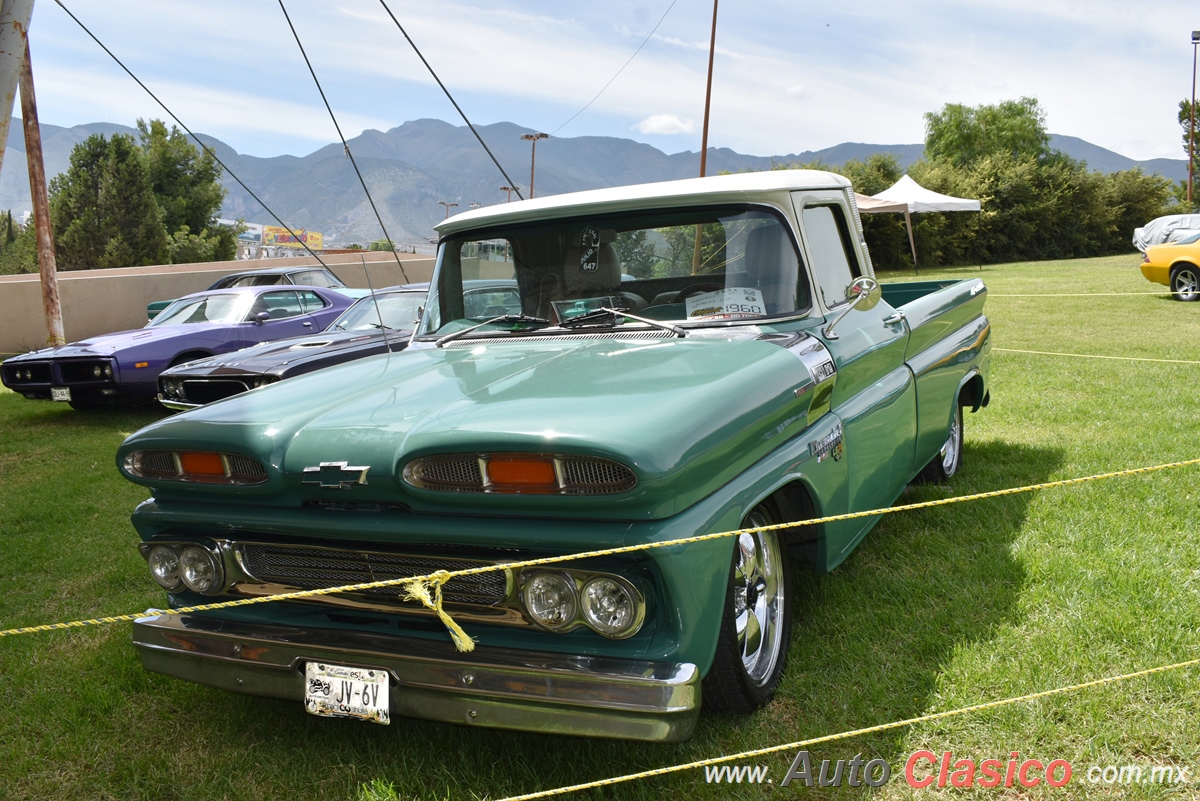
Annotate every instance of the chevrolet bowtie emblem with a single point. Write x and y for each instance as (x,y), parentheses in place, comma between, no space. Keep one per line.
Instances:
(335,475)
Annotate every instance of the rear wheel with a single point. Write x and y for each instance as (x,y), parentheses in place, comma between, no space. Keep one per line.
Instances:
(756,627)
(947,461)
(1185,282)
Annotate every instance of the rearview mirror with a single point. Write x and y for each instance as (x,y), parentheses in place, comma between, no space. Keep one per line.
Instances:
(864,294)
(261,317)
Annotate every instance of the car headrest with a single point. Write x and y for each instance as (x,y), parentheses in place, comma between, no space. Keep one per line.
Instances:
(591,262)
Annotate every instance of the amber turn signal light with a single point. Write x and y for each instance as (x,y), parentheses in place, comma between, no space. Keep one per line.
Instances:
(200,463)
(527,474)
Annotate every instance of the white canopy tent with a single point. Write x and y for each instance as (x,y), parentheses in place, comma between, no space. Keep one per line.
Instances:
(908,197)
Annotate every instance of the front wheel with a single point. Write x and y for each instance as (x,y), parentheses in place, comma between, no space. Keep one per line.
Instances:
(756,626)
(1185,283)
(947,461)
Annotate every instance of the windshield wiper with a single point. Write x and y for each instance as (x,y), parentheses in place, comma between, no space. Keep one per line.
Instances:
(504,318)
(608,317)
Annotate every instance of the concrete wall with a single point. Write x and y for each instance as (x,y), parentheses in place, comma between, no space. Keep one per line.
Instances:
(101,301)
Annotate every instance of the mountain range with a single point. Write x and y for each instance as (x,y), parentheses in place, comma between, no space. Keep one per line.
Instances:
(410,168)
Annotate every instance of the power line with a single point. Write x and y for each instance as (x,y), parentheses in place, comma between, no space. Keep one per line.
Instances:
(345,145)
(461,113)
(623,66)
(205,147)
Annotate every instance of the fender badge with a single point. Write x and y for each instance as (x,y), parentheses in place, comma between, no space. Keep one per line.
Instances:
(335,475)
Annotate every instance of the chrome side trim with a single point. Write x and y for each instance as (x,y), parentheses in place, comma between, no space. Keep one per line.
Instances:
(489,687)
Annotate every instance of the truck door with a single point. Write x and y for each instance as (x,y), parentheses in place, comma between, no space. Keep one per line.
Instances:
(875,395)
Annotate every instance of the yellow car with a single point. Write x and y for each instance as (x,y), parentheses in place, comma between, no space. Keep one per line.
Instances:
(1177,265)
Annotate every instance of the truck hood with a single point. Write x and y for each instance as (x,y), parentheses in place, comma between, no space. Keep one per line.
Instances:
(685,414)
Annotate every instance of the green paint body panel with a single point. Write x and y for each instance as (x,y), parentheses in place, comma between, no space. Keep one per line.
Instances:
(710,425)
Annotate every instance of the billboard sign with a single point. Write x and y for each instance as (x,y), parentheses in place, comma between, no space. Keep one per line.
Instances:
(279,236)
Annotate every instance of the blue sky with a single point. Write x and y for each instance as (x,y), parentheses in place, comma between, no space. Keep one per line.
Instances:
(789,76)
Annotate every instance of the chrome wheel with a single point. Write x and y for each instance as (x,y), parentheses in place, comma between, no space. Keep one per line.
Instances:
(953,448)
(1185,283)
(758,599)
(756,624)
(947,461)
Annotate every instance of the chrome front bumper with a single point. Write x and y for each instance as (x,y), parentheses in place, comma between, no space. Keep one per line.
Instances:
(490,687)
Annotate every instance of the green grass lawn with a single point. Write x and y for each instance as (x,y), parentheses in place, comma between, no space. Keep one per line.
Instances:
(937,609)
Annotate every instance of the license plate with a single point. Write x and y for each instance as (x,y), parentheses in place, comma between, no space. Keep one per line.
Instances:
(337,691)
(60,393)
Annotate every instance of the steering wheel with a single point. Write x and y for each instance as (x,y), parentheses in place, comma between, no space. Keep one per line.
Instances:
(697,289)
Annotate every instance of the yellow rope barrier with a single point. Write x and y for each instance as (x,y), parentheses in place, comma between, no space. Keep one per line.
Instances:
(1079,294)
(1093,356)
(430,585)
(574,788)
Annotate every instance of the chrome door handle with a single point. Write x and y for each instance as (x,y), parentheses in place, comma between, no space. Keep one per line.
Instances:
(894,317)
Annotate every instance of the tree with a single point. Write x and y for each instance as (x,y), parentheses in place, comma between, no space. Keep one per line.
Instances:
(963,135)
(120,204)
(186,184)
(103,208)
(1185,122)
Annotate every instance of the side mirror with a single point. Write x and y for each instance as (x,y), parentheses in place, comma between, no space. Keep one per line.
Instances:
(864,294)
(261,317)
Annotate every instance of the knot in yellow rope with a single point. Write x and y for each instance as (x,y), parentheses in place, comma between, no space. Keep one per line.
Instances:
(429,592)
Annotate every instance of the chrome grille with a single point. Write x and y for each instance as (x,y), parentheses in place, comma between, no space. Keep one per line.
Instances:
(158,462)
(594,475)
(243,468)
(316,568)
(451,472)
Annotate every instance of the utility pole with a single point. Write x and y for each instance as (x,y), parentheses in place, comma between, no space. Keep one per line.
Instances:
(533,137)
(47,261)
(14,30)
(712,50)
(1192,123)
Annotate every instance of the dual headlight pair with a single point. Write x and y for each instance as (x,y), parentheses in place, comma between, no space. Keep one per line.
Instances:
(193,567)
(560,601)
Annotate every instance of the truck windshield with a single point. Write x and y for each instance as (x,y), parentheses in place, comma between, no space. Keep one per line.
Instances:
(691,265)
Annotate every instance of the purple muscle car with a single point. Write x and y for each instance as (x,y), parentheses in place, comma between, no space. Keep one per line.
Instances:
(124,366)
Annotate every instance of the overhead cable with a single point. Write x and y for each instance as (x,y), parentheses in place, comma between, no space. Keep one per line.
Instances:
(618,73)
(206,148)
(346,147)
(508,181)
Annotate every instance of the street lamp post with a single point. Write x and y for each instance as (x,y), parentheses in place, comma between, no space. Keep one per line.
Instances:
(508,190)
(533,137)
(1192,123)
(448,207)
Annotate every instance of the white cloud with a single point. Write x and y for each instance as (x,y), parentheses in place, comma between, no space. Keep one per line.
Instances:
(865,72)
(664,124)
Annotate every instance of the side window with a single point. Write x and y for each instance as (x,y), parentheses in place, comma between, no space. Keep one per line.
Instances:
(310,301)
(280,305)
(834,263)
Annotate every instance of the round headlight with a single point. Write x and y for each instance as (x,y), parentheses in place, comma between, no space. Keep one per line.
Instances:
(97,371)
(550,599)
(164,566)
(199,569)
(108,371)
(609,608)
(28,375)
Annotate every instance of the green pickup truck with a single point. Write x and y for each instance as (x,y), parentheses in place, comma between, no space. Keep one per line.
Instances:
(689,357)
